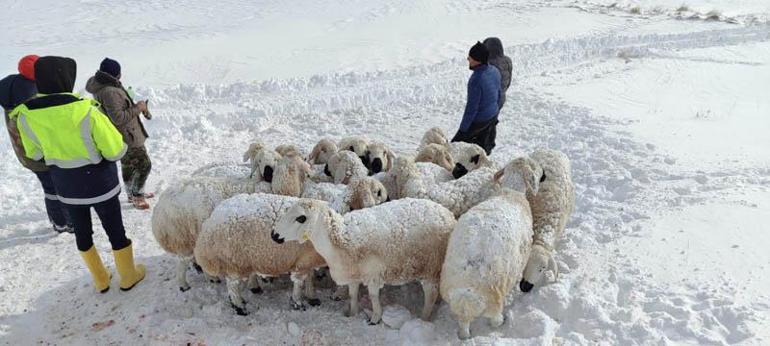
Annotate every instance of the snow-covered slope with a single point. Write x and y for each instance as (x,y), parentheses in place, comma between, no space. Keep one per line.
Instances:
(662,119)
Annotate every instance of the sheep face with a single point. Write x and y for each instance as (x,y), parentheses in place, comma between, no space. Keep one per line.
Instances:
(264,163)
(540,262)
(366,193)
(380,158)
(253,150)
(435,135)
(322,152)
(522,174)
(469,158)
(437,154)
(298,222)
(356,145)
(287,150)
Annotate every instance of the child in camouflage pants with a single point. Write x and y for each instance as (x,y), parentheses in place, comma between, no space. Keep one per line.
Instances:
(135,166)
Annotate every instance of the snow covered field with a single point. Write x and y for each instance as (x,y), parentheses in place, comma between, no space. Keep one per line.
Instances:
(665,120)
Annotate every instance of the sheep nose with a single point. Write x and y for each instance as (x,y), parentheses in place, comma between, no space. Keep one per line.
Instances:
(268,174)
(459,171)
(377,165)
(276,237)
(326,170)
(525,286)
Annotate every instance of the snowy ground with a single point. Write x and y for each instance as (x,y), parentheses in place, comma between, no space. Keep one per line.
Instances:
(664,119)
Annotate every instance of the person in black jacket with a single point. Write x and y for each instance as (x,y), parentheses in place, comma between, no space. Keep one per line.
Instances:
(14,90)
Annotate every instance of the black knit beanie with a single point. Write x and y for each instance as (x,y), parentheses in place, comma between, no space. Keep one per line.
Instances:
(479,53)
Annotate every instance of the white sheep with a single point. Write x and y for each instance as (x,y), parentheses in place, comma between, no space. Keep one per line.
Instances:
(293,171)
(437,154)
(185,205)
(359,194)
(486,254)
(469,157)
(235,244)
(393,243)
(344,166)
(434,135)
(289,150)
(427,171)
(227,169)
(380,157)
(356,144)
(457,195)
(551,204)
(322,152)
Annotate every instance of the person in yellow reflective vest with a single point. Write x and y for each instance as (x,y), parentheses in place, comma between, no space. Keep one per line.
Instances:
(80,146)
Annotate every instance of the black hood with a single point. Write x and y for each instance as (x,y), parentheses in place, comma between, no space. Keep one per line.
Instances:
(55,74)
(494,46)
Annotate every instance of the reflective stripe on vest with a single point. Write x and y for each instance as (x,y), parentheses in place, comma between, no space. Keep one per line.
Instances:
(32,136)
(92,200)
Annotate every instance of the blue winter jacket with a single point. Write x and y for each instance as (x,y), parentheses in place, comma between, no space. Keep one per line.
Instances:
(483,94)
(15,89)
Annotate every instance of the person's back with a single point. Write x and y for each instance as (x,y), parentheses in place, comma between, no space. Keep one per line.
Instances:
(503,63)
(486,80)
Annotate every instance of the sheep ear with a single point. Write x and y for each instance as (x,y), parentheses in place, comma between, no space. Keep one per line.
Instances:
(475,159)
(314,154)
(499,174)
(391,160)
(534,183)
(553,267)
(542,179)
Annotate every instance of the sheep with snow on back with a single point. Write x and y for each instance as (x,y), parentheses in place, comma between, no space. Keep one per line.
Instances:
(288,150)
(228,169)
(380,158)
(289,177)
(359,194)
(356,144)
(344,166)
(434,135)
(487,252)
(437,154)
(185,205)
(235,243)
(469,157)
(322,152)
(551,204)
(457,195)
(428,172)
(392,243)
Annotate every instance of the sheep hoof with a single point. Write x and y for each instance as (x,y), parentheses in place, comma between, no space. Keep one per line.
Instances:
(314,302)
(239,310)
(197,268)
(215,280)
(256,290)
(374,323)
(337,298)
(268,280)
(184,288)
(298,306)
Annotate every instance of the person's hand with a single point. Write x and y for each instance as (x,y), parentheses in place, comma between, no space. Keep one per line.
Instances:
(142,106)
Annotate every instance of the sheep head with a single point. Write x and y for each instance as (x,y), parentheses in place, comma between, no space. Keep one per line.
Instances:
(299,221)
(264,163)
(540,262)
(380,158)
(437,154)
(357,145)
(468,157)
(434,135)
(341,165)
(288,150)
(322,151)
(290,175)
(522,174)
(251,153)
(366,192)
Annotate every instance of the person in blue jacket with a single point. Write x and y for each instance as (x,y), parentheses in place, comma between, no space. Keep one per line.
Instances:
(481,110)
(15,89)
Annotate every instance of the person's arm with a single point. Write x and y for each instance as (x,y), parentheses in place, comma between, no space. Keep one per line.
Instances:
(472,106)
(509,69)
(106,137)
(118,109)
(29,140)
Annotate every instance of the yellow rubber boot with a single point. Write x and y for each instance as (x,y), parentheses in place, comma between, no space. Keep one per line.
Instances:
(98,272)
(130,274)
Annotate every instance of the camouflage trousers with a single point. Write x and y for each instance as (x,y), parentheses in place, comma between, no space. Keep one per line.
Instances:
(135,166)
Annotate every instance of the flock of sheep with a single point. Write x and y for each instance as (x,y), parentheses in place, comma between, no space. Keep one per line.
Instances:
(447,216)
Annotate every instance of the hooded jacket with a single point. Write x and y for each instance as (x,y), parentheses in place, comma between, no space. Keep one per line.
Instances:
(483,97)
(76,140)
(14,90)
(119,106)
(503,63)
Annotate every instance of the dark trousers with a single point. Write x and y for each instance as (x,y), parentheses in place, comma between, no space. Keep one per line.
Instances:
(57,214)
(112,221)
(135,166)
(482,134)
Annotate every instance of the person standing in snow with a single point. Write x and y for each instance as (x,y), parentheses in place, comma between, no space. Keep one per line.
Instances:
(14,90)
(481,110)
(118,104)
(503,63)
(80,145)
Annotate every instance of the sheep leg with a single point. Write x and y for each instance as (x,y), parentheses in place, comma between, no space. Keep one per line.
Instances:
(297,280)
(495,315)
(310,295)
(254,285)
(340,293)
(464,329)
(212,279)
(353,309)
(181,273)
(374,296)
(234,287)
(430,294)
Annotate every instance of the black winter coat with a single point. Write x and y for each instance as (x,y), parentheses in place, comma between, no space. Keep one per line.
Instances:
(503,63)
